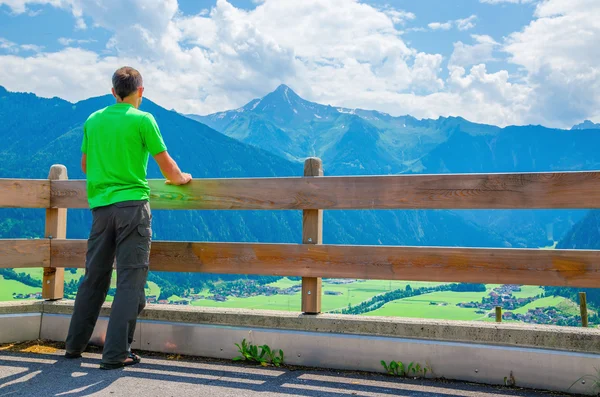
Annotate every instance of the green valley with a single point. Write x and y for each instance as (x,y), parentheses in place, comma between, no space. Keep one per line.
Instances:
(364,297)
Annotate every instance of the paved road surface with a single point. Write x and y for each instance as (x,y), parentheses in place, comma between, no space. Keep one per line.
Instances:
(28,374)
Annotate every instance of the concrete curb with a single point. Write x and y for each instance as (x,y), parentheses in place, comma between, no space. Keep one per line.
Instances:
(584,340)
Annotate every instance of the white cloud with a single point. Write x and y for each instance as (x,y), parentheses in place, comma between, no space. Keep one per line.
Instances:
(206,63)
(398,16)
(8,45)
(460,24)
(22,6)
(51,74)
(559,52)
(12,47)
(467,55)
(467,23)
(67,42)
(341,52)
(32,47)
(440,26)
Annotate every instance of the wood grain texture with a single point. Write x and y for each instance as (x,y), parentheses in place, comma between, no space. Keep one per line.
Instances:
(569,268)
(24,193)
(15,253)
(583,309)
(469,191)
(312,233)
(53,282)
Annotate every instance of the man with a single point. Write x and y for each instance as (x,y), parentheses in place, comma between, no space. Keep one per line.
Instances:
(117,142)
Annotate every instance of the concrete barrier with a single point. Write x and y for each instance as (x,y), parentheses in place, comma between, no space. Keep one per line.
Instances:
(534,356)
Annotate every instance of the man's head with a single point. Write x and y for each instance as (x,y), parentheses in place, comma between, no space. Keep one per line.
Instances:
(128,86)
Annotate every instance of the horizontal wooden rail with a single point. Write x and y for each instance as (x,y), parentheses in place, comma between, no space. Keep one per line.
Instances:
(24,193)
(465,191)
(24,253)
(572,268)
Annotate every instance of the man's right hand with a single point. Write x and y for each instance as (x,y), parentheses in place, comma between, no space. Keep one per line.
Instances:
(170,170)
(184,179)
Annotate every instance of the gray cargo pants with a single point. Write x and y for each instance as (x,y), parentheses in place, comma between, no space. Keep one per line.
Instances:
(122,229)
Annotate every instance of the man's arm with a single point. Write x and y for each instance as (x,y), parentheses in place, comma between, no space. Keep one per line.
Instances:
(84,163)
(170,170)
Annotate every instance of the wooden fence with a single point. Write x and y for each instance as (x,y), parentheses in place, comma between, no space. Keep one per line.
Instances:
(312,260)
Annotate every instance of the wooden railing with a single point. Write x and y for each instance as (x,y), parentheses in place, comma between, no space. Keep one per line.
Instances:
(312,260)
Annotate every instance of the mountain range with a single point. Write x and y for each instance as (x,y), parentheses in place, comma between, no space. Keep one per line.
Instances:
(38,132)
(586,125)
(271,136)
(358,141)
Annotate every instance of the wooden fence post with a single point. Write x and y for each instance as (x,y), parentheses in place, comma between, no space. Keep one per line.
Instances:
(583,309)
(53,284)
(312,233)
(498,314)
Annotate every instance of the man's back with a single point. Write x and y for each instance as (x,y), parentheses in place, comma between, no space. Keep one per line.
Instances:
(117,141)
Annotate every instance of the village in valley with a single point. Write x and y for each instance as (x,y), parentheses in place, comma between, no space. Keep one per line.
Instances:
(515,305)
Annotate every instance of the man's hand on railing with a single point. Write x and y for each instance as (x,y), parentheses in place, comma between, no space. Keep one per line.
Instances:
(170,170)
(185,178)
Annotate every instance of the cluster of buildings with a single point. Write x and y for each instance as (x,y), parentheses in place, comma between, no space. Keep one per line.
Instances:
(36,295)
(239,289)
(547,315)
(501,296)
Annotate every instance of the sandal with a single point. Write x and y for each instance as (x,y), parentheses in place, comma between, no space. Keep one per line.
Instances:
(131,359)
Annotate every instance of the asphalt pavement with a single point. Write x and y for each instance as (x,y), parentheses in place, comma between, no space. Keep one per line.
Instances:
(35,374)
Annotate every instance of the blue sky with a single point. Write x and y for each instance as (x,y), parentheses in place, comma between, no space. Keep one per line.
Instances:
(492,61)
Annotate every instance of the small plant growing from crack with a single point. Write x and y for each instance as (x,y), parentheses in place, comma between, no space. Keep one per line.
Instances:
(398,368)
(510,380)
(262,355)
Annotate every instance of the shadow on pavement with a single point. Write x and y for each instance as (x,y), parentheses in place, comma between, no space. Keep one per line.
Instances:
(52,375)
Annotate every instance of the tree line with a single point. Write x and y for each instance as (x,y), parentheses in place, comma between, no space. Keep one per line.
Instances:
(379,300)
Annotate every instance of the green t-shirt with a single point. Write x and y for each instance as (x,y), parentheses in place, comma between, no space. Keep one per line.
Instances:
(117,141)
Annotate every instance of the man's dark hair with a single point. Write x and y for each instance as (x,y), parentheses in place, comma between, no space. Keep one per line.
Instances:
(126,80)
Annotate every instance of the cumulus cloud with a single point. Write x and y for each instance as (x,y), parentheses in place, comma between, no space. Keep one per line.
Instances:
(205,63)
(558,50)
(341,52)
(480,52)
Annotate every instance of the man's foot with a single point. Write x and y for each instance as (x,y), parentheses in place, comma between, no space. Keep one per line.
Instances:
(131,359)
(72,355)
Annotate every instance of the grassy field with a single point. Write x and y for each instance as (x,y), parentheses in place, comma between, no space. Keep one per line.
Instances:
(436,305)
(8,287)
(569,307)
(403,308)
(153,289)
(37,273)
(444,305)
(527,291)
(353,293)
